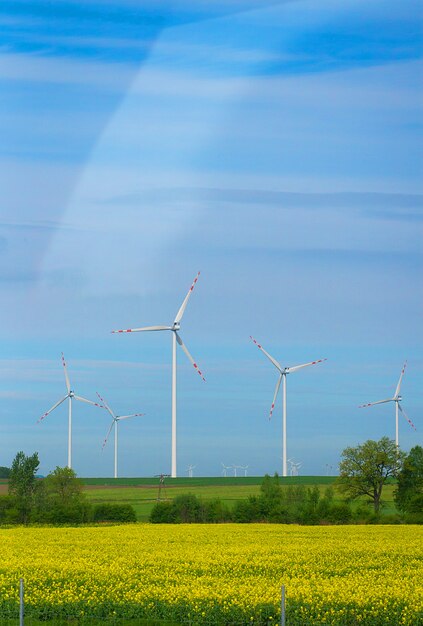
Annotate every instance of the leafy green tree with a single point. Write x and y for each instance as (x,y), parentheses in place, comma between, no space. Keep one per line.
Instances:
(365,469)
(23,484)
(409,493)
(61,499)
(63,486)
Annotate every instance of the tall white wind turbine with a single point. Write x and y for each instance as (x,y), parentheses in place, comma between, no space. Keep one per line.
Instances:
(70,396)
(397,399)
(176,338)
(283,372)
(115,421)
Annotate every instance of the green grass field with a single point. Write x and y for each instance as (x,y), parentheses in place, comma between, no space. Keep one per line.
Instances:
(143,493)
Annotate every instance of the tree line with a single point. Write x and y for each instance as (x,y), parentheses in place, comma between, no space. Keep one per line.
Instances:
(364,471)
(57,499)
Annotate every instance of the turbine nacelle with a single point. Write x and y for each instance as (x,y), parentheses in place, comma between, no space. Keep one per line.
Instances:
(176,326)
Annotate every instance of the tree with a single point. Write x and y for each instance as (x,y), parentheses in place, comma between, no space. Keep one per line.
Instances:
(409,492)
(365,469)
(23,484)
(63,486)
(62,500)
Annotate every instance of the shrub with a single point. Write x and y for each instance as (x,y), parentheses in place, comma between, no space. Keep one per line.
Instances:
(246,511)
(162,513)
(9,514)
(59,514)
(340,513)
(187,509)
(114,513)
(214,511)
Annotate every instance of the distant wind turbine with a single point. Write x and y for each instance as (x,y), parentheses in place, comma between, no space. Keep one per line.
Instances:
(244,468)
(70,395)
(115,421)
(397,399)
(283,371)
(294,467)
(189,470)
(176,338)
(225,469)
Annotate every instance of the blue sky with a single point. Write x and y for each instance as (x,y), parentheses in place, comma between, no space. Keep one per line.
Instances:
(276,147)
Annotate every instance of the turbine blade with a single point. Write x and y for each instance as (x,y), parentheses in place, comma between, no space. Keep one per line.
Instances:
(397,390)
(185,302)
(108,433)
(66,373)
(362,406)
(406,416)
(52,409)
(274,361)
(278,384)
(139,330)
(89,402)
(105,405)
(298,367)
(124,417)
(184,348)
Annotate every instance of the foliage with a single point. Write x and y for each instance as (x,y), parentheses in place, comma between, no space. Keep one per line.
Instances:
(365,469)
(4,472)
(23,484)
(292,504)
(216,574)
(63,486)
(61,500)
(123,513)
(187,508)
(409,493)
(9,514)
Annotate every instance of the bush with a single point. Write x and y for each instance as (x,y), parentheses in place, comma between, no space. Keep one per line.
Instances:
(187,509)
(162,513)
(247,511)
(340,513)
(60,514)
(9,513)
(413,518)
(214,511)
(124,513)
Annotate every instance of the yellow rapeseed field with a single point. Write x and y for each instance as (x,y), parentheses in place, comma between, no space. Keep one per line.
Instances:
(217,574)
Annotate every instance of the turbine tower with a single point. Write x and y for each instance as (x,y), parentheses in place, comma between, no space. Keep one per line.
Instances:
(70,396)
(176,338)
(397,399)
(283,371)
(115,421)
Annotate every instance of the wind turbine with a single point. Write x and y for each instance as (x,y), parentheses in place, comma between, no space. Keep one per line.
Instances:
(189,470)
(176,338)
(115,421)
(243,467)
(283,371)
(225,469)
(397,399)
(70,395)
(295,466)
